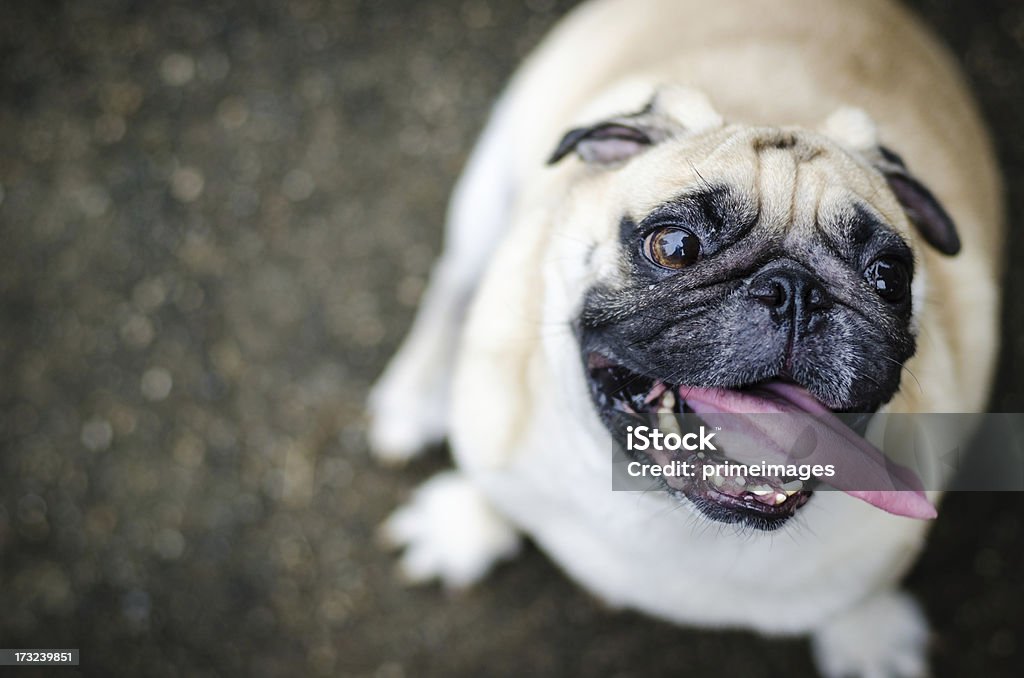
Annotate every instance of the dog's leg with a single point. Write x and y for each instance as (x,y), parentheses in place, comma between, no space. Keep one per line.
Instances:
(449,532)
(408,406)
(885,636)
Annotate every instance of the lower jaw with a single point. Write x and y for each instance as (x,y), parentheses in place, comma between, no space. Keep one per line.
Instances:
(737,500)
(762,504)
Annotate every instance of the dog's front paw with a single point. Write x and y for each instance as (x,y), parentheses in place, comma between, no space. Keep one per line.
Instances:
(883,637)
(405,419)
(449,532)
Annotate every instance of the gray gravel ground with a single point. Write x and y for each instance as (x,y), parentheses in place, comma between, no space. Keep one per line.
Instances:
(215,221)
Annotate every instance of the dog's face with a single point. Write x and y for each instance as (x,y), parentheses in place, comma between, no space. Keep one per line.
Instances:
(756,260)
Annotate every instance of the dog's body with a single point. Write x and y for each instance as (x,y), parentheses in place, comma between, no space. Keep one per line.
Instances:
(529,244)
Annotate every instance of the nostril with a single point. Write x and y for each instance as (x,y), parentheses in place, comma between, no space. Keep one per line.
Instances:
(817,298)
(770,293)
(789,292)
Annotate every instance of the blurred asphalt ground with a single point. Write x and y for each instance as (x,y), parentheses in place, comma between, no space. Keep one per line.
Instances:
(215,222)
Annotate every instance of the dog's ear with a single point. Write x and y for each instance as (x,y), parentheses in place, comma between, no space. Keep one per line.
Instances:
(922,207)
(854,129)
(671,111)
(605,143)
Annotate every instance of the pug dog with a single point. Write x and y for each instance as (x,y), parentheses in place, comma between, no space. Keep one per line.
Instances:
(746,205)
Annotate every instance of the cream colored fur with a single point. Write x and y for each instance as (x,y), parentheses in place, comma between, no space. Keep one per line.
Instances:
(841,75)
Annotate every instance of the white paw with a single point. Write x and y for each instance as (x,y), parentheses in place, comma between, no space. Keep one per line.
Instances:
(403,423)
(886,636)
(449,532)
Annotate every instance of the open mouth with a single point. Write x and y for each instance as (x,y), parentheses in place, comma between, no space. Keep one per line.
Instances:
(624,397)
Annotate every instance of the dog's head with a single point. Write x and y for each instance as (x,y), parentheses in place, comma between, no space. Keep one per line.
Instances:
(774,263)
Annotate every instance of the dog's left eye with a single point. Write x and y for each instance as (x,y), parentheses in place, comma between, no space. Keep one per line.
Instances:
(890,279)
(672,247)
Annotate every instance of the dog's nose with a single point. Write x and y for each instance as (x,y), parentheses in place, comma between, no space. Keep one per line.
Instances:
(790,293)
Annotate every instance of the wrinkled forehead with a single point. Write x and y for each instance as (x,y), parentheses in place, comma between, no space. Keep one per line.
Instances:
(789,179)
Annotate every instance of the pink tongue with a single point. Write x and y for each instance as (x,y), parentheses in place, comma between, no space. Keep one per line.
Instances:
(858,463)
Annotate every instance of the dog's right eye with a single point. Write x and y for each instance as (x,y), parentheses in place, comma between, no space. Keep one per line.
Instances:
(889,277)
(672,247)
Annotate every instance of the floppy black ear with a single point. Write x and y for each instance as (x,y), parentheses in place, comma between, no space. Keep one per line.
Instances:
(921,206)
(604,143)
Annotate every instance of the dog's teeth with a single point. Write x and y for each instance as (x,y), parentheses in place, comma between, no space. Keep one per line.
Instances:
(790,493)
(740,480)
(780,497)
(718,480)
(793,486)
(761,490)
(669,422)
(668,419)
